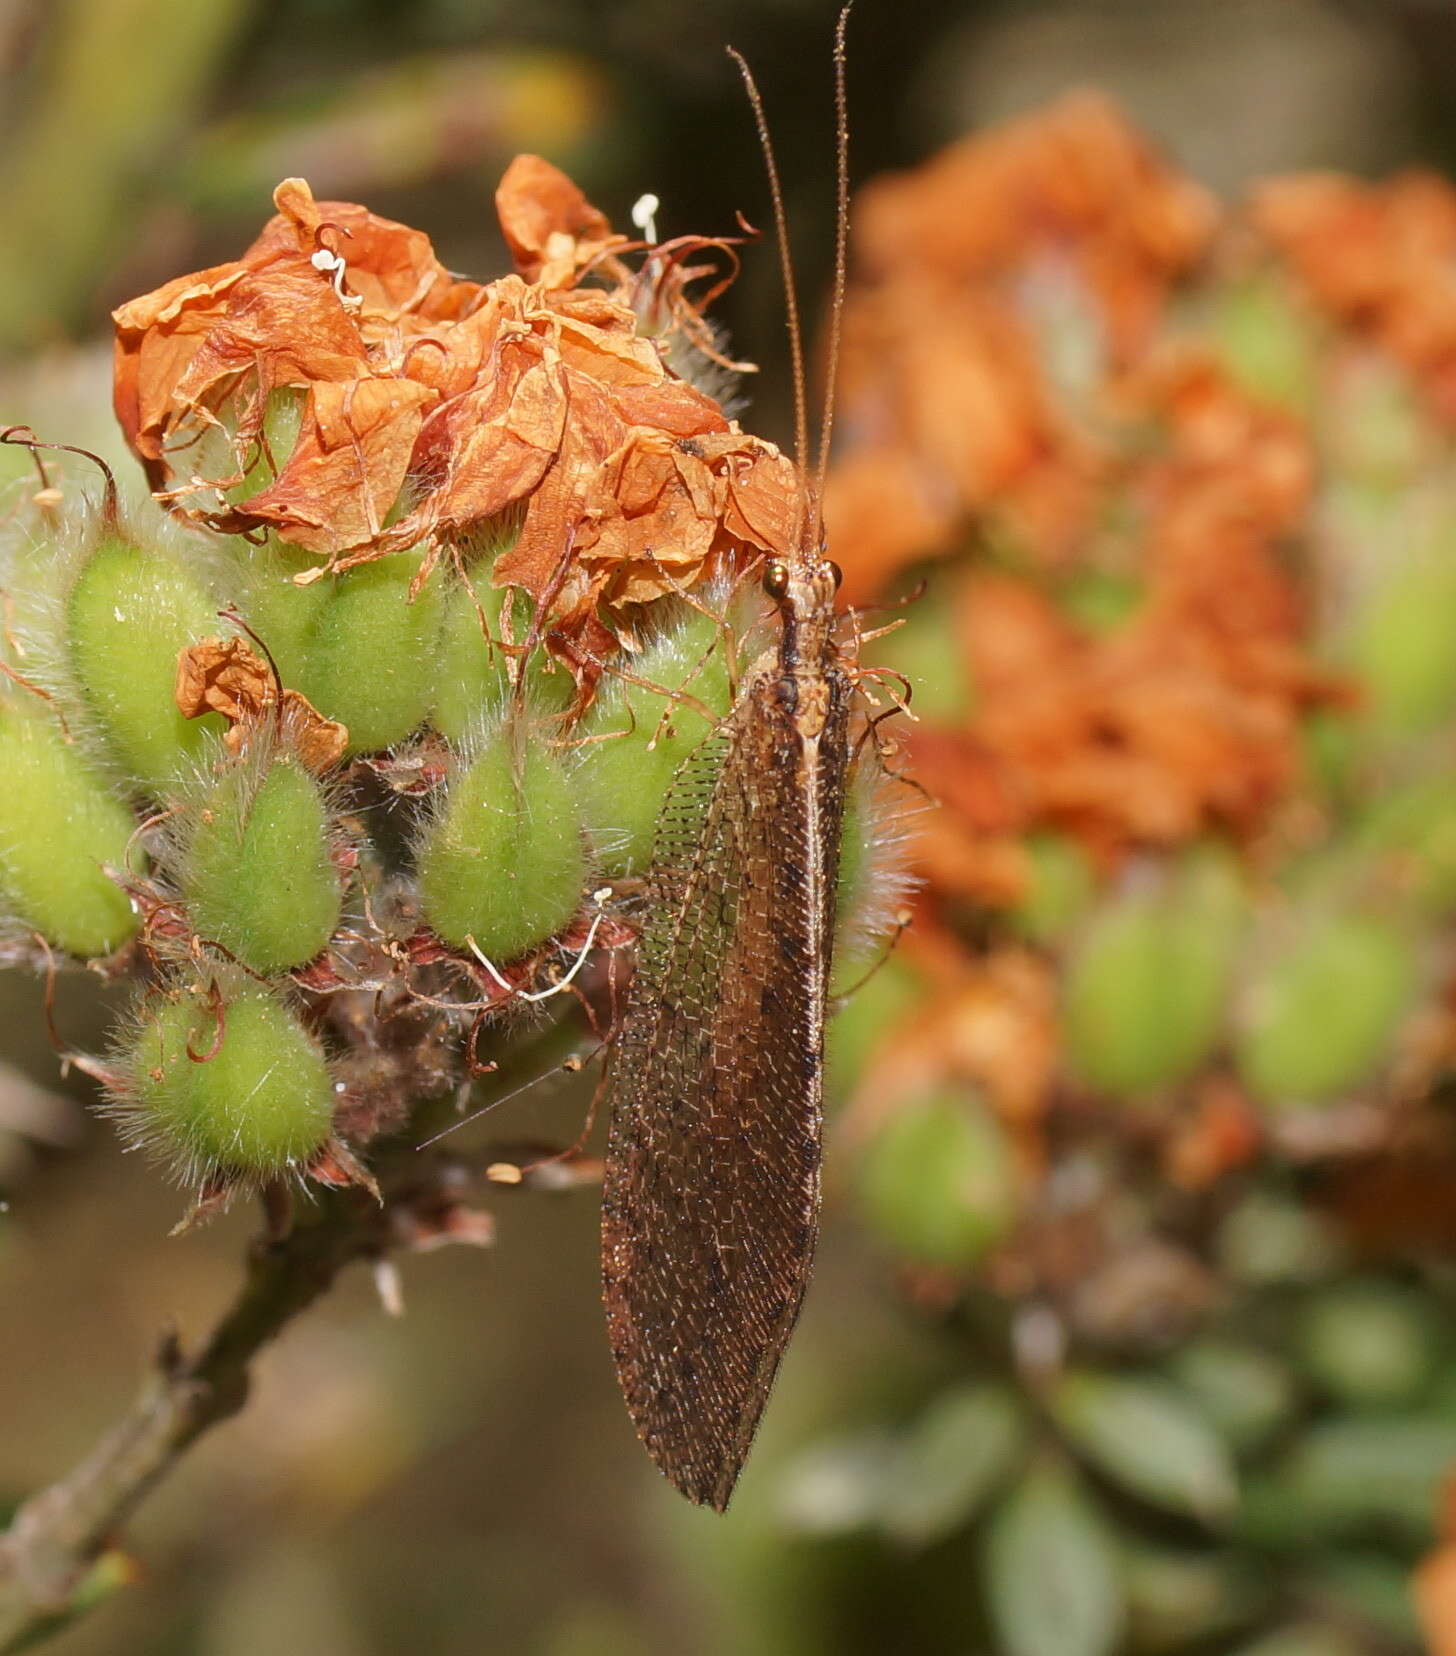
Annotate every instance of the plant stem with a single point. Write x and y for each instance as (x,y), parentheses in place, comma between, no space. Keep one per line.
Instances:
(55,1540)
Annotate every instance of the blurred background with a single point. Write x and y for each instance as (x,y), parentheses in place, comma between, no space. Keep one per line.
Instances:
(1134,1323)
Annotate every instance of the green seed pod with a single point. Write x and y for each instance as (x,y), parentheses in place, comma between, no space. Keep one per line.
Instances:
(282,613)
(255,870)
(282,421)
(1370,1344)
(59,824)
(1321,1013)
(885,999)
(1413,829)
(1060,884)
(1402,648)
(502,865)
(370,654)
(1145,992)
(228,1083)
(130,611)
(472,677)
(937,1182)
(643,737)
(1267,341)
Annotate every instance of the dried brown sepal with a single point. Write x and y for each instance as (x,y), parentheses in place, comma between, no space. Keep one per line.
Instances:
(336,1167)
(227,676)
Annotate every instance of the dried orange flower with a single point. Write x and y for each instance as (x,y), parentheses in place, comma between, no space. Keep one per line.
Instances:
(431,405)
(1379,256)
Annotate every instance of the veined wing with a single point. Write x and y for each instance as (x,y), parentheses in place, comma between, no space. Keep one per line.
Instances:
(711,1192)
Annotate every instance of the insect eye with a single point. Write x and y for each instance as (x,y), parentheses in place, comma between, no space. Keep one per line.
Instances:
(836,572)
(776,578)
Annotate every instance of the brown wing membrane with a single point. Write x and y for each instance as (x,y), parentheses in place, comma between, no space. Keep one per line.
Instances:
(711,1192)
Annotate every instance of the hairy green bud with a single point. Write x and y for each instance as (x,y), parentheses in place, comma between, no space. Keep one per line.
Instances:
(229,1083)
(1402,648)
(1322,1012)
(130,612)
(370,654)
(638,736)
(937,1183)
(256,873)
(472,675)
(502,865)
(59,825)
(1146,990)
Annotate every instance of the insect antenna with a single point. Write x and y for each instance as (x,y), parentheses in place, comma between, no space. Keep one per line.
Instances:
(786,262)
(841,247)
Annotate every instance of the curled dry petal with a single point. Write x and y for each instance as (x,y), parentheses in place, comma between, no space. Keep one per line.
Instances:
(227,676)
(431,405)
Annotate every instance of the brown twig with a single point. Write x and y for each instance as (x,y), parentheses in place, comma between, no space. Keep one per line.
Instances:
(50,1555)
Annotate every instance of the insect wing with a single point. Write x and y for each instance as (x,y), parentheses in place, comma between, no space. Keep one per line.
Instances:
(711,1193)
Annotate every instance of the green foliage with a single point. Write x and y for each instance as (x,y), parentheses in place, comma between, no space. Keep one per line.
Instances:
(1150,1440)
(1369,1344)
(951,1461)
(1245,1392)
(1053,1580)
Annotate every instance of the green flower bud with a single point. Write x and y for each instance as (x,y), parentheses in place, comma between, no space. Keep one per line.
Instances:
(59,824)
(1402,648)
(1268,341)
(644,736)
(256,873)
(370,655)
(1413,830)
(937,1181)
(888,997)
(130,611)
(281,612)
(1059,887)
(1322,1012)
(1145,992)
(502,864)
(1371,1344)
(472,675)
(227,1083)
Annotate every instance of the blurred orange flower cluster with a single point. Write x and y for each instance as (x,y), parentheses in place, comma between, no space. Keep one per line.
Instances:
(1107,423)
(1011,383)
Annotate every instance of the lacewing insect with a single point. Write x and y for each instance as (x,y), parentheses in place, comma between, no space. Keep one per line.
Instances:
(710,1206)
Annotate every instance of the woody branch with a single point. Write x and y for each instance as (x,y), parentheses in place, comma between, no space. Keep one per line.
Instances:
(59,1534)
